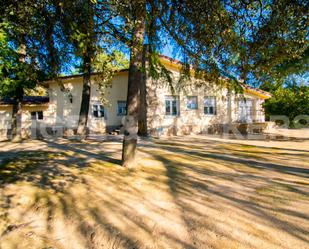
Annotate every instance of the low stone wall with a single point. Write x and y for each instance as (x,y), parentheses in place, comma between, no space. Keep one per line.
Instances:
(216,129)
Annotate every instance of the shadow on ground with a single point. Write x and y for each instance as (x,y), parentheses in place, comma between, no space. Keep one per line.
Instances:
(183,193)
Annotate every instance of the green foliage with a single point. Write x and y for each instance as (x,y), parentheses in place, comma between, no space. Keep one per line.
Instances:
(37,25)
(106,65)
(32,46)
(291,101)
(79,26)
(256,41)
(114,61)
(15,75)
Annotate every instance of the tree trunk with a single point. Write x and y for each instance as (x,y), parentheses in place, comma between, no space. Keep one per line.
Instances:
(84,108)
(134,82)
(16,121)
(87,59)
(16,110)
(142,122)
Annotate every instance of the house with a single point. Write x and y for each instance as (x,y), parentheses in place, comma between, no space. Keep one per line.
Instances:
(33,108)
(196,108)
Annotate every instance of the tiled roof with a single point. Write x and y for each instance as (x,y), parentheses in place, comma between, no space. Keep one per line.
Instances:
(27,100)
(170,59)
(245,86)
(255,89)
(80,75)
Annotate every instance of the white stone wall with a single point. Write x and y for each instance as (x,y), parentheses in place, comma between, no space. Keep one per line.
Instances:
(188,121)
(26,122)
(192,121)
(62,113)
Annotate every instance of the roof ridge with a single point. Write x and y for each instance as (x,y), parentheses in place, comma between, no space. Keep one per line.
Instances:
(243,84)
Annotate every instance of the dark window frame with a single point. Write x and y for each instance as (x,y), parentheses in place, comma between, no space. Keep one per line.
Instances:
(196,103)
(210,109)
(98,111)
(37,115)
(172,107)
(123,109)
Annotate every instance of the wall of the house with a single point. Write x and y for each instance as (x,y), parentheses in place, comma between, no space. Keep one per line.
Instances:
(194,121)
(60,113)
(188,121)
(5,119)
(64,113)
(27,124)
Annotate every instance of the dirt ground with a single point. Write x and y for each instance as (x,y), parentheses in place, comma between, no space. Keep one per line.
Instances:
(184,192)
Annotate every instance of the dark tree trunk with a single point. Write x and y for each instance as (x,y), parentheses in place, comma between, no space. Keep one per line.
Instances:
(134,83)
(84,108)
(142,121)
(16,121)
(16,125)
(87,60)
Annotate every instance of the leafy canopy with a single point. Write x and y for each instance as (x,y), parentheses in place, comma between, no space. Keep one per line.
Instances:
(290,99)
(255,41)
(15,75)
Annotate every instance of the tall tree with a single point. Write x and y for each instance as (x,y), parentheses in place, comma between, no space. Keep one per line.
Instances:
(15,76)
(16,126)
(135,80)
(20,24)
(249,40)
(134,23)
(33,33)
(84,24)
(78,20)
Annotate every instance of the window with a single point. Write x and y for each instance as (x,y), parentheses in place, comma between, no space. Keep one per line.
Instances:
(245,110)
(122,108)
(171,106)
(37,115)
(210,105)
(98,111)
(192,102)
(260,117)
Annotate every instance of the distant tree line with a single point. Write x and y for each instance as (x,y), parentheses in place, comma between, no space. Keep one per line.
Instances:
(291,100)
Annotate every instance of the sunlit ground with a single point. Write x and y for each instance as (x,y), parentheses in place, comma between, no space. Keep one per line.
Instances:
(185,192)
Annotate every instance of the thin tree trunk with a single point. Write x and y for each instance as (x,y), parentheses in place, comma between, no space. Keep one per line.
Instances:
(16,125)
(84,108)
(87,59)
(142,121)
(16,121)
(134,82)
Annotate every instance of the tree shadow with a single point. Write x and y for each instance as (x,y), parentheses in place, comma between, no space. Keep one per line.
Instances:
(227,156)
(180,195)
(188,179)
